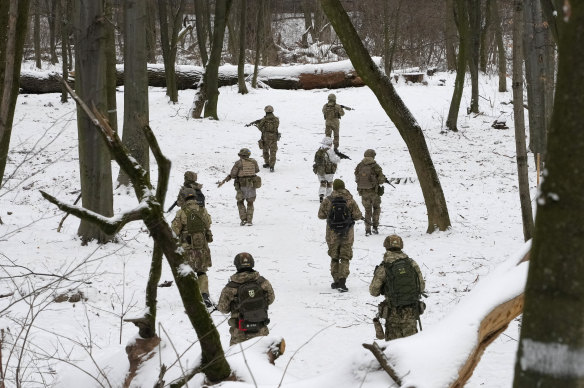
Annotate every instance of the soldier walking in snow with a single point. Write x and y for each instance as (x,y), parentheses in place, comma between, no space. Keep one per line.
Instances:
(245,182)
(332,115)
(268,126)
(399,279)
(340,211)
(192,225)
(370,179)
(325,166)
(247,297)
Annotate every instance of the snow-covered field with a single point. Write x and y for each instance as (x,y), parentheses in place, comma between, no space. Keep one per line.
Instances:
(476,166)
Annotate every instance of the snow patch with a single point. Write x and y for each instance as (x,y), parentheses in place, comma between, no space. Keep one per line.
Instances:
(185,270)
(553,359)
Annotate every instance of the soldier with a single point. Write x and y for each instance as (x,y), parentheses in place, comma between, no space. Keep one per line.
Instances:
(191,183)
(400,280)
(247,297)
(332,114)
(192,225)
(246,182)
(340,211)
(325,166)
(268,126)
(370,178)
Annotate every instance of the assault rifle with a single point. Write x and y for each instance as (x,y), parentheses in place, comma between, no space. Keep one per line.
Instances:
(172,207)
(341,155)
(421,309)
(221,183)
(346,107)
(389,183)
(253,123)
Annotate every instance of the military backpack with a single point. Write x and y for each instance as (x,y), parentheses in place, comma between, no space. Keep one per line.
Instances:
(322,163)
(195,222)
(330,112)
(252,305)
(402,286)
(339,217)
(366,177)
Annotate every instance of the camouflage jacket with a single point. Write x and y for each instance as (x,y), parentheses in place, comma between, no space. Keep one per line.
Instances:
(228,299)
(238,170)
(187,185)
(368,174)
(332,112)
(379,277)
(269,125)
(325,206)
(179,224)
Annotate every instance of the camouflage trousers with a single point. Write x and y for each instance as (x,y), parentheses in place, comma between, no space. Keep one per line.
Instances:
(269,149)
(400,322)
(332,129)
(238,336)
(372,204)
(245,213)
(340,250)
(200,261)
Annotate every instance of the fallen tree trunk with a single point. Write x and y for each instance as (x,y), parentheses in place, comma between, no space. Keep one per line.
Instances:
(331,76)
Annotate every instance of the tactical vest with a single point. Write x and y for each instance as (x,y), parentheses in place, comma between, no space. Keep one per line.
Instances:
(330,112)
(252,305)
(366,178)
(247,168)
(195,220)
(270,125)
(323,162)
(402,285)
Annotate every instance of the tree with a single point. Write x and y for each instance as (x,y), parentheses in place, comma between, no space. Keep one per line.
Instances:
(242,87)
(13,27)
(519,118)
(65,27)
(91,85)
(53,9)
(201,27)
(450,35)
(551,342)
(169,44)
(37,34)
(474,32)
(258,43)
(151,30)
(397,111)
(136,114)
(461,17)
(110,44)
(502,60)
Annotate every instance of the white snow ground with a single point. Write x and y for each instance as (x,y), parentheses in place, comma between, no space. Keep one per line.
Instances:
(477,170)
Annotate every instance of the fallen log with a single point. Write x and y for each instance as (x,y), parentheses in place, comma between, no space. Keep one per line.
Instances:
(329,75)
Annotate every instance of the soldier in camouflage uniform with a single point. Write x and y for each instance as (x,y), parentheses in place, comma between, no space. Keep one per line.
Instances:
(399,321)
(228,302)
(246,181)
(192,225)
(340,245)
(332,115)
(325,166)
(268,126)
(370,179)
(190,183)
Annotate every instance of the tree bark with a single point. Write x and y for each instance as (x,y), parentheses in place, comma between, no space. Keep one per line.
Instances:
(169,43)
(202,32)
(520,145)
(242,87)
(308,27)
(112,106)
(65,27)
(474,33)
(13,28)
(486,32)
(450,36)
(551,343)
(462,25)
(91,85)
(151,30)
(258,43)
(53,7)
(502,60)
(136,113)
(37,34)
(397,111)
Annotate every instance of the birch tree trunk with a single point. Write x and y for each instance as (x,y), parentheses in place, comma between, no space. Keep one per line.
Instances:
(396,110)
(551,343)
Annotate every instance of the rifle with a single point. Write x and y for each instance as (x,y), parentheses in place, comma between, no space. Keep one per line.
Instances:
(389,183)
(172,207)
(346,107)
(221,183)
(253,123)
(420,309)
(341,155)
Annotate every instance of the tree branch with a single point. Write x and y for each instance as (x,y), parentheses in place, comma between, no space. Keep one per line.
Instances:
(163,162)
(383,361)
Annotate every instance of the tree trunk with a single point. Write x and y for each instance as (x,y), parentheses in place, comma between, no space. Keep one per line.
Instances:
(551,343)
(242,87)
(520,145)
(169,43)
(551,14)
(37,34)
(462,24)
(52,8)
(202,32)
(151,30)
(397,112)
(308,28)
(13,28)
(486,32)
(211,79)
(549,75)
(450,36)
(91,84)
(259,37)
(474,13)
(136,115)
(65,28)
(502,60)
(112,106)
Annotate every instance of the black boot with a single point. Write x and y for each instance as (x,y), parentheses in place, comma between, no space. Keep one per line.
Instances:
(341,285)
(334,285)
(272,169)
(375,231)
(265,165)
(321,197)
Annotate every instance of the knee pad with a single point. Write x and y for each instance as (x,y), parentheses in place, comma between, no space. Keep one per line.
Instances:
(323,183)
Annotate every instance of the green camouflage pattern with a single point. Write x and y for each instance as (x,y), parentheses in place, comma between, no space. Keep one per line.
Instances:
(268,126)
(372,204)
(228,304)
(187,185)
(332,113)
(367,184)
(340,247)
(244,189)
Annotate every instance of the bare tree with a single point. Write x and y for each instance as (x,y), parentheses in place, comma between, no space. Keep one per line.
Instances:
(65,17)
(550,347)
(151,30)
(242,88)
(201,27)
(396,110)
(502,59)
(169,29)
(462,24)
(474,34)
(450,35)
(37,34)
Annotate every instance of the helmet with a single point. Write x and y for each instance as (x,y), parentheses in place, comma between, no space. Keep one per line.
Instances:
(191,176)
(393,242)
(243,260)
(189,194)
(327,141)
(269,109)
(245,152)
(370,153)
(332,97)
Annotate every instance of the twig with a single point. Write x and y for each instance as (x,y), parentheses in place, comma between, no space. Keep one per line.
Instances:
(383,361)
(247,365)
(67,215)
(175,352)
